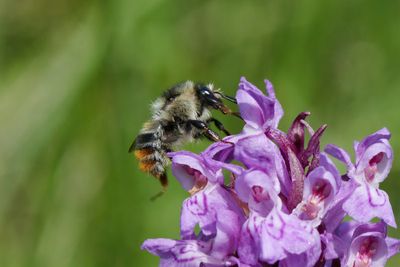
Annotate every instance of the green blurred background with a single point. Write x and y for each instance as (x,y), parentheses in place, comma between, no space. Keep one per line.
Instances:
(77,78)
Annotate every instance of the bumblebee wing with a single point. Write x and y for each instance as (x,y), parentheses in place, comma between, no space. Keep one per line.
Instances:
(132,147)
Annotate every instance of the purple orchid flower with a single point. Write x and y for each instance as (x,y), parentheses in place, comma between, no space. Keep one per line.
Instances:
(373,162)
(185,253)
(320,188)
(220,220)
(254,150)
(269,234)
(259,189)
(308,258)
(207,208)
(275,237)
(256,109)
(195,171)
(286,201)
(191,170)
(363,245)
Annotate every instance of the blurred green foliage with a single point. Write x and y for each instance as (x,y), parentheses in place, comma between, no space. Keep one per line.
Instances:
(77,77)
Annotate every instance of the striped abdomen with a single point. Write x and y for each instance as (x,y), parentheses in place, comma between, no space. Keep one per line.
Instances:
(151,154)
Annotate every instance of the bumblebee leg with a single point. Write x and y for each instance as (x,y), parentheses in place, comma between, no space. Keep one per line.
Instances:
(219,125)
(164,182)
(207,132)
(212,136)
(237,114)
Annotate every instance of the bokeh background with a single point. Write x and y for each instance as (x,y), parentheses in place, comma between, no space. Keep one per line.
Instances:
(77,78)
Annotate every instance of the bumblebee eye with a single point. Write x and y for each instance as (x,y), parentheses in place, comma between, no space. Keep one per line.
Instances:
(205,91)
(209,97)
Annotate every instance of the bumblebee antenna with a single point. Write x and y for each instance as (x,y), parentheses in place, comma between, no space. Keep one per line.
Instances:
(229,98)
(225,109)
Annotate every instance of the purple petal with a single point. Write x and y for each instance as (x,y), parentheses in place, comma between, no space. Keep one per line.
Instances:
(368,248)
(360,147)
(249,242)
(345,232)
(239,263)
(375,163)
(393,246)
(297,174)
(253,104)
(197,210)
(328,164)
(282,232)
(256,109)
(336,213)
(296,132)
(319,191)
(259,190)
(158,246)
(368,202)
(188,167)
(179,253)
(221,151)
(329,240)
(308,258)
(340,154)
(202,209)
(379,227)
(278,110)
(270,251)
(255,151)
(295,168)
(273,238)
(368,242)
(313,146)
(228,231)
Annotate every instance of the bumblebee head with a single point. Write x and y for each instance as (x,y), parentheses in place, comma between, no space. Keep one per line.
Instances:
(213,98)
(207,96)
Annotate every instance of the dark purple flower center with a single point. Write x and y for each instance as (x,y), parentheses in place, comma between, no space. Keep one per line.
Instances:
(320,191)
(200,180)
(259,194)
(366,251)
(372,167)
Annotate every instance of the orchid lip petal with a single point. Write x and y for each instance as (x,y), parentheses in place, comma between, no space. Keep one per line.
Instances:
(367,202)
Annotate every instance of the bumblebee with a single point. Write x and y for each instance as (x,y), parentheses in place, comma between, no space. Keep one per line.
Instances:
(181,115)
